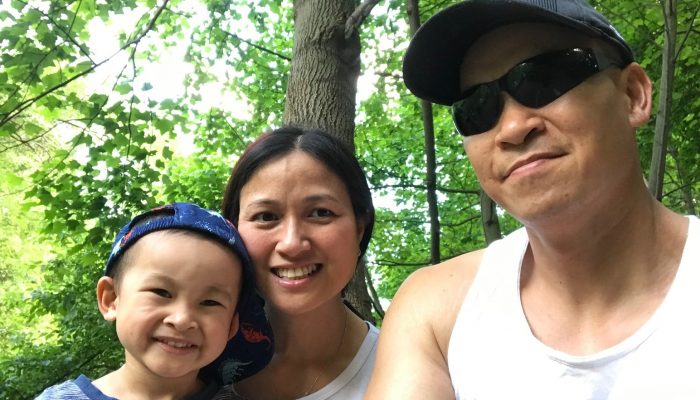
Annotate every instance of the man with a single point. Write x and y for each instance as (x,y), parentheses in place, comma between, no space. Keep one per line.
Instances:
(597,296)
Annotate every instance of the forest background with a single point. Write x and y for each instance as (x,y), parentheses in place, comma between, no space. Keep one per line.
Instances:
(110,107)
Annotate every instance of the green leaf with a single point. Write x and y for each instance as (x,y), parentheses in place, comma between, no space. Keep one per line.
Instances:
(123,88)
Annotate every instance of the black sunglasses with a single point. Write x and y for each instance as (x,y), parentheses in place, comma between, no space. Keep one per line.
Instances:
(533,83)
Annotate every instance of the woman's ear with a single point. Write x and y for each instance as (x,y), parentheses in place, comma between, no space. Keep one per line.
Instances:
(107,298)
(360,232)
(638,90)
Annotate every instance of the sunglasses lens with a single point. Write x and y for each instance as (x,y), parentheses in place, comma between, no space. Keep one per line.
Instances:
(542,85)
(533,83)
(478,110)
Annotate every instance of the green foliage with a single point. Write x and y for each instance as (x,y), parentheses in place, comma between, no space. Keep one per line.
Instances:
(77,159)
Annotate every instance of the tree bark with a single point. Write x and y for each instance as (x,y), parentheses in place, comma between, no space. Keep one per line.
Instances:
(489,219)
(324,71)
(321,90)
(430,167)
(663,118)
(684,183)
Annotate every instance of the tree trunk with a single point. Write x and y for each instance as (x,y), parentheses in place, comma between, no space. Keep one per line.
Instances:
(324,71)
(429,134)
(322,87)
(489,218)
(684,183)
(663,118)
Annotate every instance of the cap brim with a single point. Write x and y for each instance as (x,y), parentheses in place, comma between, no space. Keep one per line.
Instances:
(434,56)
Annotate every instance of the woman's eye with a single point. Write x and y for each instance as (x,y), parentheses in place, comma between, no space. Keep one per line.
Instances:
(161,292)
(264,217)
(322,213)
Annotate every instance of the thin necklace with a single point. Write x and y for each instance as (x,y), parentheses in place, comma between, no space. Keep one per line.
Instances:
(337,351)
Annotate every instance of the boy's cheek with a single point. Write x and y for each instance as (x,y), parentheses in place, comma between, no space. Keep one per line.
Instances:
(234,327)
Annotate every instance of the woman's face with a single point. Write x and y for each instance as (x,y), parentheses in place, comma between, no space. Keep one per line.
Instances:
(298,224)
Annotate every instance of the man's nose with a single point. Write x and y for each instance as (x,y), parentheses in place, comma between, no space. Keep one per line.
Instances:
(516,122)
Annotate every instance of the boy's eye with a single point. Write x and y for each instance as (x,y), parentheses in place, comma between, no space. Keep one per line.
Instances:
(265,217)
(161,292)
(211,303)
(322,213)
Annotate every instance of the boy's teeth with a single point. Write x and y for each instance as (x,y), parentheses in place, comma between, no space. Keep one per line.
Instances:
(296,273)
(178,344)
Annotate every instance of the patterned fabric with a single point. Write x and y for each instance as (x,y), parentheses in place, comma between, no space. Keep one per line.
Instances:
(79,389)
(246,353)
(83,389)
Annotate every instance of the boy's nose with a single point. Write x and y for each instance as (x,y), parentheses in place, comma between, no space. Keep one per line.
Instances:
(181,318)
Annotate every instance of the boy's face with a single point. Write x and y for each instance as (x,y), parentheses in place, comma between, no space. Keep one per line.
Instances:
(174,304)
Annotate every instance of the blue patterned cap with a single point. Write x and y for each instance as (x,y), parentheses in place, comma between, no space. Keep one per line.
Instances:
(251,349)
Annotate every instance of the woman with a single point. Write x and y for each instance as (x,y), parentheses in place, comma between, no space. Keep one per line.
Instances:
(303,207)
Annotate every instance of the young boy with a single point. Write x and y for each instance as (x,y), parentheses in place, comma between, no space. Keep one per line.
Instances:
(174,284)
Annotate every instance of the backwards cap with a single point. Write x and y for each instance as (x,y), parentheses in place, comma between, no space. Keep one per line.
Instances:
(251,349)
(432,63)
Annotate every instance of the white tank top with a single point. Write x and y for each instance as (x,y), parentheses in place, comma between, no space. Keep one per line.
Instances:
(494,355)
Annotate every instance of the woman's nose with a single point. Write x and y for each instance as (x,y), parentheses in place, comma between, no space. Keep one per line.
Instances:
(293,240)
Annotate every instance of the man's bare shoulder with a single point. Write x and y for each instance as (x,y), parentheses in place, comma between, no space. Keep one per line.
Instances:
(453,276)
(412,355)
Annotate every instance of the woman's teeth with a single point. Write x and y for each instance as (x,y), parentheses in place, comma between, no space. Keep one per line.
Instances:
(295,273)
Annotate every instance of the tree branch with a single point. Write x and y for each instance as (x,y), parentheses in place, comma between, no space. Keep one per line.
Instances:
(67,33)
(27,142)
(373,295)
(406,264)
(249,43)
(358,17)
(687,33)
(423,187)
(28,103)
(392,263)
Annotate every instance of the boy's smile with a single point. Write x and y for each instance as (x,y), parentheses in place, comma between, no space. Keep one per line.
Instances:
(175,304)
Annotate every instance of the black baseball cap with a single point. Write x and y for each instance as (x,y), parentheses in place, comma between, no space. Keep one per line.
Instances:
(432,63)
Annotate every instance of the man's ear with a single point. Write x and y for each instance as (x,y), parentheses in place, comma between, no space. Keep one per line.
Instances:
(638,90)
(107,298)
(234,326)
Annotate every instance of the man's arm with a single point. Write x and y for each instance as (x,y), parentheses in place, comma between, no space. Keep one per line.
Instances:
(412,354)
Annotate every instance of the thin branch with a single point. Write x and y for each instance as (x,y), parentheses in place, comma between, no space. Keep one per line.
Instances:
(248,42)
(373,295)
(406,264)
(423,187)
(68,35)
(25,80)
(358,17)
(28,103)
(687,33)
(85,128)
(27,142)
(391,263)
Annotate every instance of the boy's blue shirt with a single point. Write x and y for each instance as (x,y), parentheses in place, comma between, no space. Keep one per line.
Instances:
(82,389)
